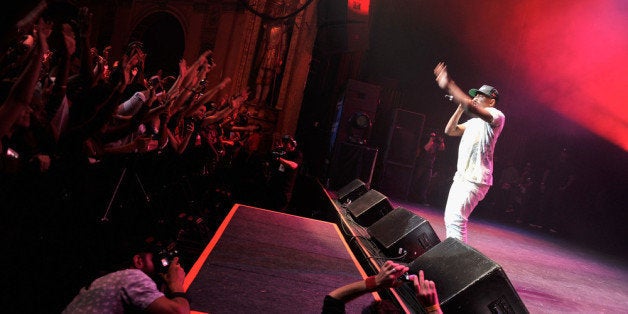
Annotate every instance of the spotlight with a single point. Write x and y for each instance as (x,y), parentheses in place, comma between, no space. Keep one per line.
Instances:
(359,123)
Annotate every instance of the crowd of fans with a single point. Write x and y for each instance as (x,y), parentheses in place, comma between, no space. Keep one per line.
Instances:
(96,153)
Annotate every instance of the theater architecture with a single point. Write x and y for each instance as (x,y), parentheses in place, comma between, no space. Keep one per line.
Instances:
(236,31)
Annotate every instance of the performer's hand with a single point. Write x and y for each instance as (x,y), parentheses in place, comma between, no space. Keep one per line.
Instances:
(442,78)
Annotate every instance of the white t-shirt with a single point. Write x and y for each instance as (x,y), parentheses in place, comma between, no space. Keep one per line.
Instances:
(475,153)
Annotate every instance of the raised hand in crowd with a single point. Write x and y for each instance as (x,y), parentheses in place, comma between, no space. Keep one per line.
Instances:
(386,278)
(21,93)
(426,292)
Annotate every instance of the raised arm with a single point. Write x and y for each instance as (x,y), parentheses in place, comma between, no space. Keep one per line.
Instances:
(386,278)
(22,91)
(465,102)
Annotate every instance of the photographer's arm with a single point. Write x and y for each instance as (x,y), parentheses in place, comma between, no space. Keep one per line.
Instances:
(178,301)
(288,163)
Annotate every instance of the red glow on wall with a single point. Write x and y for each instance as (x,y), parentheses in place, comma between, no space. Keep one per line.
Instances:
(358,7)
(571,56)
(585,64)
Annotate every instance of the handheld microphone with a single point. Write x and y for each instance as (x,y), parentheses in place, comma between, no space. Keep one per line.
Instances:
(449,97)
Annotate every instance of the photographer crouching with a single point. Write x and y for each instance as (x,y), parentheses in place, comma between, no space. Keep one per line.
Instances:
(283,170)
(135,289)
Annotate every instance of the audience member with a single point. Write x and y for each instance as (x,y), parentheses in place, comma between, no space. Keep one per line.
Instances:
(557,187)
(283,171)
(388,277)
(424,164)
(506,196)
(530,193)
(22,90)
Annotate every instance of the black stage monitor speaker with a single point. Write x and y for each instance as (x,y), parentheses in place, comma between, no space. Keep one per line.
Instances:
(403,234)
(369,207)
(351,191)
(467,281)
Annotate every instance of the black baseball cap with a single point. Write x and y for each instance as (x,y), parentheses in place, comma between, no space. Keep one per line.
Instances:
(486,90)
(287,138)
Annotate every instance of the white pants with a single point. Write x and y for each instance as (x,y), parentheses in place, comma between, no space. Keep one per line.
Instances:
(462,199)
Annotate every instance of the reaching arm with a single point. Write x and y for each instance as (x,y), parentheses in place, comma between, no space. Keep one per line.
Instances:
(386,278)
(22,91)
(207,96)
(178,301)
(426,293)
(465,102)
(289,163)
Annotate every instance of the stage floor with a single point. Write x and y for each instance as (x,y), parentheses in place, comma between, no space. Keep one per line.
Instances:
(262,261)
(550,275)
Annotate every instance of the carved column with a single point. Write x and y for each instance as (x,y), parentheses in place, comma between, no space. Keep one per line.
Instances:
(296,70)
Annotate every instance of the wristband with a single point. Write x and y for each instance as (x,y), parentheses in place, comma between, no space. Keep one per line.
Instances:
(180,295)
(432,308)
(370,283)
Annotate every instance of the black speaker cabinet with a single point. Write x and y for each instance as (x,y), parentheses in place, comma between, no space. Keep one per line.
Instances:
(467,281)
(369,208)
(403,234)
(351,191)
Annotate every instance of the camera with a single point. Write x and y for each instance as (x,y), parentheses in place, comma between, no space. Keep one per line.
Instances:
(163,258)
(278,152)
(193,120)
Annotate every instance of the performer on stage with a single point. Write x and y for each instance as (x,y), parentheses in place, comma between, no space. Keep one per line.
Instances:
(474,173)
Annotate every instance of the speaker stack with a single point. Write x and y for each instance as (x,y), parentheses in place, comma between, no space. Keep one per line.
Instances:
(466,280)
